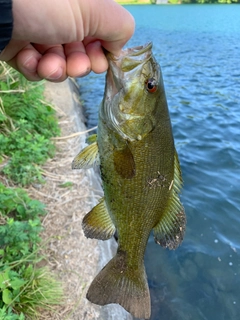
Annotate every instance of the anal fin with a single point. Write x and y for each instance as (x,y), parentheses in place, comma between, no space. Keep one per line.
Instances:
(97,224)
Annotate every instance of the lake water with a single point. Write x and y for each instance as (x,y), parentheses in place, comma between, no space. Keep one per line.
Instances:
(198,48)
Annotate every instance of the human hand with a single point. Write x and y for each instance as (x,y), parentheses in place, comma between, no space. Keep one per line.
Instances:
(56,39)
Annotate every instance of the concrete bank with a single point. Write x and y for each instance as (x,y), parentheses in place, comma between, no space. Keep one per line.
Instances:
(76,254)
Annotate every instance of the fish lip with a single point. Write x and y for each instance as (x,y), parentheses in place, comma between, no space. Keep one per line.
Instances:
(131,52)
(128,62)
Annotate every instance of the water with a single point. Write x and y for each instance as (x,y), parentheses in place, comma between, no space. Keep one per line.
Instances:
(198,48)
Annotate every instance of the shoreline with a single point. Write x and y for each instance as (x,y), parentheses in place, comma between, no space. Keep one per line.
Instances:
(78,259)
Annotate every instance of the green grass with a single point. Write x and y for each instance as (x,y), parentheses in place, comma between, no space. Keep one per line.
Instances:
(24,288)
(30,291)
(26,127)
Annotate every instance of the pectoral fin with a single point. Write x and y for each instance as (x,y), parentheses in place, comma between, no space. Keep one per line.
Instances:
(97,224)
(170,230)
(91,139)
(124,163)
(87,158)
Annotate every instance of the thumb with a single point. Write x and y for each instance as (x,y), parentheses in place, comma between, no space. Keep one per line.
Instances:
(113,25)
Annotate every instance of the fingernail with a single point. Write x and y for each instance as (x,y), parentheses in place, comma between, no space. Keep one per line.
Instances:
(56,74)
(83,74)
(30,64)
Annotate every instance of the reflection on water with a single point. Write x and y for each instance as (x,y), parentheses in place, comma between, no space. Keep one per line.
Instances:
(198,49)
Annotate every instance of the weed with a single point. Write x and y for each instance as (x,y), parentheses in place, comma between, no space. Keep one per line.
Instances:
(30,290)
(19,234)
(26,126)
(16,202)
(7,314)
(23,287)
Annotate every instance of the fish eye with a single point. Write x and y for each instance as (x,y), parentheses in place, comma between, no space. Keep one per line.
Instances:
(151,85)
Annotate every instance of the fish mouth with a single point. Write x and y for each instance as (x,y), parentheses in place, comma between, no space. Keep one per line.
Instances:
(130,58)
(133,52)
(129,62)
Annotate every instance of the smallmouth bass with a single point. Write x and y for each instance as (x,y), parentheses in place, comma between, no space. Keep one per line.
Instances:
(140,174)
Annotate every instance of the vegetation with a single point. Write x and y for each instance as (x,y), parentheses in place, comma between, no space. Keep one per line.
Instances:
(24,288)
(209,1)
(26,126)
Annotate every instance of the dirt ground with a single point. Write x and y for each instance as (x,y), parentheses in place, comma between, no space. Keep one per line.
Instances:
(74,259)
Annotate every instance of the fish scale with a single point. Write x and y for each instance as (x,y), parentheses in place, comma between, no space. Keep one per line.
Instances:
(135,210)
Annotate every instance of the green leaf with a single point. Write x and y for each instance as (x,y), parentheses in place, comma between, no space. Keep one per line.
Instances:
(66,184)
(10,221)
(7,296)
(21,317)
(3,86)
(4,279)
(17,283)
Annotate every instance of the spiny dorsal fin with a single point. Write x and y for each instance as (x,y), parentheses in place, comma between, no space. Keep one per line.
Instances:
(87,158)
(97,224)
(170,230)
(124,163)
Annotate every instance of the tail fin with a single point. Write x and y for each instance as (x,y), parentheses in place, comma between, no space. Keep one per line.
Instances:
(116,283)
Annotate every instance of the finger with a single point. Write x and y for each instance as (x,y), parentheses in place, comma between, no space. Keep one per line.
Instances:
(12,50)
(26,62)
(78,63)
(52,65)
(109,26)
(35,66)
(98,59)
(54,48)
